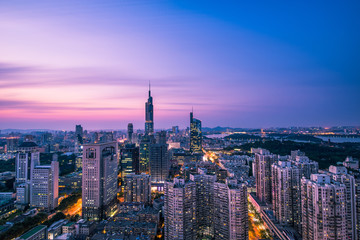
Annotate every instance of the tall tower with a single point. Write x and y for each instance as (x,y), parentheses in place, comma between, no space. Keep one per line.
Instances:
(149,115)
(195,135)
(130,132)
(99,180)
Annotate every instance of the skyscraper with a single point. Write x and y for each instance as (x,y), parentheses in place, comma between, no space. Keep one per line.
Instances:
(262,164)
(180,210)
(195,135)
(23,163)
(137,188)
(99,180)
(323,208)
(286,193)
(149,115)
(145,143)
(159,162)
(129,159)
(79,134)
(44,187)
(130,132)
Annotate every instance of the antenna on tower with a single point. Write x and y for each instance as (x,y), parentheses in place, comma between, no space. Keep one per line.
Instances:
(149,88)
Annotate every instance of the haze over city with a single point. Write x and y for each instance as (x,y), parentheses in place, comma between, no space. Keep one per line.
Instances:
(237,64)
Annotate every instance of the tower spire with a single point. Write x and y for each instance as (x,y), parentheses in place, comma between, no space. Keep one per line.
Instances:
(149,88)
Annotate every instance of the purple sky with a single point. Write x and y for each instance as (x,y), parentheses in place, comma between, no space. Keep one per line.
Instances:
(238,65)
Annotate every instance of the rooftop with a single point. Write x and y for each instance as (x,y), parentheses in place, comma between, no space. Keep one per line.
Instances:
(33,231)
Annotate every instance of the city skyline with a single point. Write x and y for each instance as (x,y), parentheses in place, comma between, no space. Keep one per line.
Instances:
(238,65)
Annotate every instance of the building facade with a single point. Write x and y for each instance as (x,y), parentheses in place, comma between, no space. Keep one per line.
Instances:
(262,169)
(99,180)
(323,208)
(195,135)
(44,187)
(286,201)
(137,188)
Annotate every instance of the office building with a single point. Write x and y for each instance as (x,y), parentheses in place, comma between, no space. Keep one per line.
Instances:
(36,233)
(195,135)
(149,115)
(286,201)
(137,188)
(145,143)
(180,210)
(23,163)
(262,169)
(159,162)
(130,162)
(99,180)
(79,134)
(323,208)
(230,206)
(44,186)
(130,131)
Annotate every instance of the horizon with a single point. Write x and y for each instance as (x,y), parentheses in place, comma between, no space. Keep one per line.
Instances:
(238,64)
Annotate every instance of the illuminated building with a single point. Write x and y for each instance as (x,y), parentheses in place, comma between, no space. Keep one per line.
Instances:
(340,174)
(204,203)
(129,159)
(307,166)
(286,194)
(137,188)
(323,208)
(231,210)
(145,143)
(44,186)
(149,115)
(99,180)
(180,210)
(159,162)
(195,135)
(262,170)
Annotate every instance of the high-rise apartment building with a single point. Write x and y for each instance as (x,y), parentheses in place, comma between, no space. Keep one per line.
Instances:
(323,208)
(149,115)
(159,162)
(44,186)
(231,210)
(99,180)
(180,210)
(262,169)
(130,162)
(137,188)
(130,131)
(204,203)
(340,174)
(286,189)
(307,166)
(195,135)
